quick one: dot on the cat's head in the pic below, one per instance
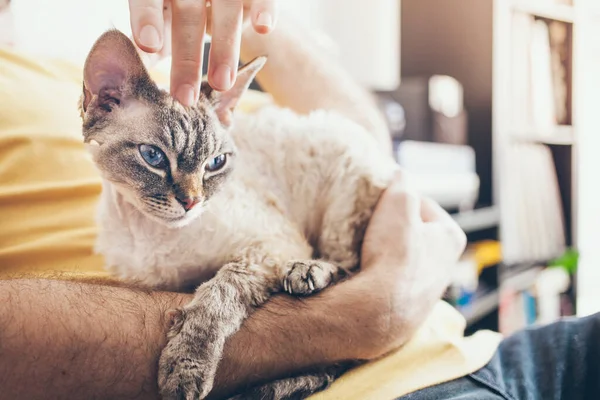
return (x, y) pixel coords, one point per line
(165, 159)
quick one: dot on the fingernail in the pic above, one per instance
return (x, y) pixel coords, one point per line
(264, 19)
(185, 95)
(223, 77)
(149, 37)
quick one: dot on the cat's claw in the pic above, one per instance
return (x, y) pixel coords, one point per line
(306, 277)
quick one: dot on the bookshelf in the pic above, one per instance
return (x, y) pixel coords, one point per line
(499, 123)
(513, 106)
(548, 121)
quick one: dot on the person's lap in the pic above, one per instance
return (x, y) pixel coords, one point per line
(557, 361)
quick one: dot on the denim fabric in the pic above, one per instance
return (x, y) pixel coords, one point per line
(556, 361)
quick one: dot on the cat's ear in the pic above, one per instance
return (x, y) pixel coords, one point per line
(113, 73)
(225, 102)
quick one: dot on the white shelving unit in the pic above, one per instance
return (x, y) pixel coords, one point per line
(575, 147)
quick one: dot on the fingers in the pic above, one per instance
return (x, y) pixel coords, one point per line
(189, 22)
(225, 46)
(433, 214)
(432, 211)
(147, 24)
(263, 15)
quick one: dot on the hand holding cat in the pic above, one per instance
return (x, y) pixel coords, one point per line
(151, 22)
(410, 247)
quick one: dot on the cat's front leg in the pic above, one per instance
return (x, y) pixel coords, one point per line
(304, 277)
(189, 362)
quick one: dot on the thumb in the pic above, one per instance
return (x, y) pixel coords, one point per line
(441, 225)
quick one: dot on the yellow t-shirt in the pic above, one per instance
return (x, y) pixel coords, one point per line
(48, 193)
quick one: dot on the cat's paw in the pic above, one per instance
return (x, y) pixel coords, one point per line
(185, 371)
(308, 276)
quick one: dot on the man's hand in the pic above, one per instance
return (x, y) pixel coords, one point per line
(410, 247)
(152, 21)
(405, 228)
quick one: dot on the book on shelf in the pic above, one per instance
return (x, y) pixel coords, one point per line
(559, 52)
(533, 225)
(535, 297)
(540, 65)
(541, 85)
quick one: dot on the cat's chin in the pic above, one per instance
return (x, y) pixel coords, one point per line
(180, 222)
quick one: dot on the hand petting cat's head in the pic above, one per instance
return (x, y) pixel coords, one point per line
(165, 159)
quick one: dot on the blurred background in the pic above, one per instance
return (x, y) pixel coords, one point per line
(491, 105)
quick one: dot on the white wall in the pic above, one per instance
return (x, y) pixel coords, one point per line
(66, 28)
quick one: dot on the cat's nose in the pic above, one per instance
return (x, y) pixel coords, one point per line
(188, 202)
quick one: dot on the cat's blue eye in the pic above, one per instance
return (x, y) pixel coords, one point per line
(216, 163)
(153, 156)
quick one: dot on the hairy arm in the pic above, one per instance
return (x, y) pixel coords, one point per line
(73, 340)
(301, 77)
(62, 339)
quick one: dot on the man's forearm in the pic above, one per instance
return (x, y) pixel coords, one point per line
(73, 340)
(299, 76)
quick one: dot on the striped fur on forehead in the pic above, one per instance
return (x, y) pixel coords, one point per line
(193, 134)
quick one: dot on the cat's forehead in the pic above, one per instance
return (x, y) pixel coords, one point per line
(189, 133)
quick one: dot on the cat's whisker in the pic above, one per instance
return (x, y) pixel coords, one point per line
(163, 209)
(154, 201)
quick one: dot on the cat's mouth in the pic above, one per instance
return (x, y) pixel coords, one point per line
(179, 220)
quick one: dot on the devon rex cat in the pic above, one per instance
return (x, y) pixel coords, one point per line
(243, 205)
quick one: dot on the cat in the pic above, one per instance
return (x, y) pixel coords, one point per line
(243, 205)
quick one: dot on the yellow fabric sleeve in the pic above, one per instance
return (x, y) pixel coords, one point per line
(48, 184)
(48, 193)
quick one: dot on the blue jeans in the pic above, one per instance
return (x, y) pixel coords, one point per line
(556, 361)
